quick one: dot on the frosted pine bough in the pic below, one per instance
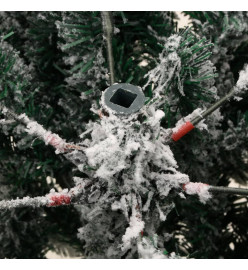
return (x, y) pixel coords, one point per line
(132, 173)
(129, 172)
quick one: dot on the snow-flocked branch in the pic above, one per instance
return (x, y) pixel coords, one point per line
(35, 129)
(197, 117)
(205, 191)
(239, 89)
(122, 158)
(51, 199)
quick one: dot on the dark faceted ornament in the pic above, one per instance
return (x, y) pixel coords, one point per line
(123, 98)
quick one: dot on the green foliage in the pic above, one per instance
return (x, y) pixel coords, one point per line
(53, 67)
(134, 43)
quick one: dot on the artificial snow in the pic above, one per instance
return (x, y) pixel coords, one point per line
(33, 128)
(242, 83)
(147, 250)
(201, 189)
(26, 201)
(168, 67)
(136, 225)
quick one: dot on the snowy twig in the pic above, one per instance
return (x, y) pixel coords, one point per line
(239, 89)
(50, 200)
(26, 201)
(36, 129)
(203, 190)
(197, 117)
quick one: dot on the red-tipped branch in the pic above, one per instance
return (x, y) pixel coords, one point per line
(188, 126)
(49, 200)
(183, 130)
(52, 199)
(36, 129)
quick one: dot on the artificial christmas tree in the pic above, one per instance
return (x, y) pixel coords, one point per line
(124, 172)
